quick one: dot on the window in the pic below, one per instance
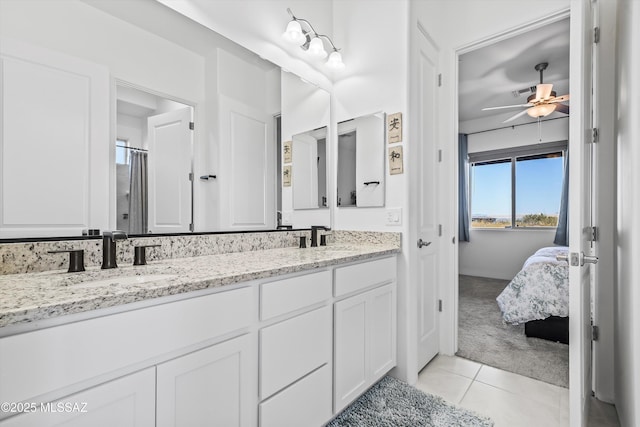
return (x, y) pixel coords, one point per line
(122, 152)
(517, 187)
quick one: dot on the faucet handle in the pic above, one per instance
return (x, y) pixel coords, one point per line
(76, 259)
(139, 254)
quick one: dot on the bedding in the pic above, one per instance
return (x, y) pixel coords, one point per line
(539, 290)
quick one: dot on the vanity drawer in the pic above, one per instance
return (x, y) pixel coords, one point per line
(305, 403)
(364, 275)
(291, 349)
(47, 360)
(287, 295)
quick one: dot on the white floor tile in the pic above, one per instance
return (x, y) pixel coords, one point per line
(602, 414)
(564, 407)
(455, 365)
(508, 409)
(449, 386)
(537, 391)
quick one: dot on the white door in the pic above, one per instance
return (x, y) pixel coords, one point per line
(428, 246)
(210, 387)
(54, 117)
(247, 166)
(580, 125)
(170, 192)
(305, 172)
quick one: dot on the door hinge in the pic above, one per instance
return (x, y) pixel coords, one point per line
(440, 305)
(439, 229)
(439, 156)
(439, 79)
(596, 35)
(593, 234)
(595, 135)
(191, 227)
(191, 176)
(595, 333)
(191, 125)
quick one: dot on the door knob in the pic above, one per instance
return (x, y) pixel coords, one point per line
(589, 259)
(421, 243)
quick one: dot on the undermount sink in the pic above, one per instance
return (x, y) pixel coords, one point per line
(126, 280)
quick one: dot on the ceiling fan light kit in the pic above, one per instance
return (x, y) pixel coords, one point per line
(540, 104)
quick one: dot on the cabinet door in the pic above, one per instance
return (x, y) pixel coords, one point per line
(365, 342)
(382, 351)
(350, 374)
(125, 402)
(208, 387)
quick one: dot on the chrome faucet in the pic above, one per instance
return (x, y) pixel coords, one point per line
(109, 247)
(314, 233)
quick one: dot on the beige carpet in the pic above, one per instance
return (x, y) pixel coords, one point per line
(485, 338)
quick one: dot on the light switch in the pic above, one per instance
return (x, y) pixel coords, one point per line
(394, 216)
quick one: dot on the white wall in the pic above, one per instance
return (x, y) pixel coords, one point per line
(500, 253)
(627, 320)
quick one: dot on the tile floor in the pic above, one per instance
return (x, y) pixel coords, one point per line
(509, 399)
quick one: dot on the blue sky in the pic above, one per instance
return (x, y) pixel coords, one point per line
(538, 187)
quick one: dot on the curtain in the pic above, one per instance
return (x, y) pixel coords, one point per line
(138, 210)
(562, 232)
(463, 189)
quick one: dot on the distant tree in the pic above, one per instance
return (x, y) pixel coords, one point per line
(538, 220)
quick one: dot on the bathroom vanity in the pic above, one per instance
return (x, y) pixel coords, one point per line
(276, 337)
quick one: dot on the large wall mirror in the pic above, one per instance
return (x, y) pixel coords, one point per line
(83, 81)
(361, 176)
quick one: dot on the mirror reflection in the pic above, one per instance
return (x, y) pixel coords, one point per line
(361, 168)
(309, 176)
(153, 160)
(71, 67)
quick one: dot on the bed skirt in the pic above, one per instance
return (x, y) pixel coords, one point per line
(552, 328)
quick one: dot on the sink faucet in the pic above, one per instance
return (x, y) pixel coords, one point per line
(109, 247)
(314, 233)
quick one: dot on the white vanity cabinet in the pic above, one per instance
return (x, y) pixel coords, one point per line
(295, 353)
(182, 338)
(365, 327)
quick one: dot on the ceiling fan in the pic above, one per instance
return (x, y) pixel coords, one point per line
(540, 104)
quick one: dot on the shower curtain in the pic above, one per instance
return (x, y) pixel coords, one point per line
(138, 197)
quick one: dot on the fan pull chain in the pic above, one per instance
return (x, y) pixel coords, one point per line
(539, 130)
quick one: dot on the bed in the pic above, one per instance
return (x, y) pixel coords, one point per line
(538, 296)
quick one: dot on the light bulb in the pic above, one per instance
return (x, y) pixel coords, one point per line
(541, 110)
(335, 61)
(293, 33)
(316, 48)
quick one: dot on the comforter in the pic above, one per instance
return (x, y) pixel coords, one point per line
(539, 290)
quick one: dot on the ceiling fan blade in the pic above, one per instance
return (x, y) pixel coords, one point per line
(543, 91)
(521, 113)
(561, 108)
(560, 98)
(506, 106)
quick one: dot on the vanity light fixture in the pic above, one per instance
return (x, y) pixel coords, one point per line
(310, 41)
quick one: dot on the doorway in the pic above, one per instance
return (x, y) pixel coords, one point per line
(153, 163)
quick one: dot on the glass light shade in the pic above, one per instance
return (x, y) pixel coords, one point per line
(335, 61)
(316, 48)
(293, 33)
(541, 110)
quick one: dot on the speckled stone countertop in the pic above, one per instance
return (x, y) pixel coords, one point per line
(31, 297)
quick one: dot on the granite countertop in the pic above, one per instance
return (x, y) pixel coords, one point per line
(31, 297)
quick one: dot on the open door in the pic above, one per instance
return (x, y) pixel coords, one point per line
(580, 191)
(170, 186)
(428, 231)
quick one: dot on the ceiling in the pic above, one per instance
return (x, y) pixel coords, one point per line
(489, 75)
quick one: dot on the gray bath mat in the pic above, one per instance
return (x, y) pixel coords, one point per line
(393, 403)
